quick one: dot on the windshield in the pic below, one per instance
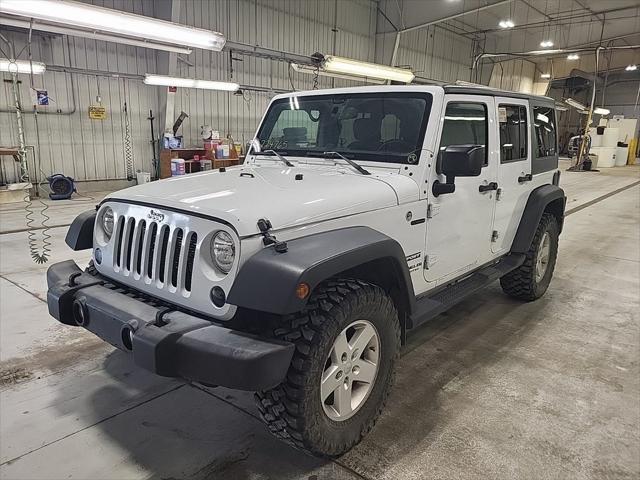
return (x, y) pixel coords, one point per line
(382, 127)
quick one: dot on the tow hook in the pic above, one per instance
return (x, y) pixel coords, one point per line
(265, 225)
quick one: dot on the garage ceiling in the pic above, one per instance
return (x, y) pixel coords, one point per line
(568, 23)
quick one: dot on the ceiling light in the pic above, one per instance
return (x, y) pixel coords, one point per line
(575, 104)
(601, 111)
(21, 66)
(106, 37)
(546, 44)
(90, 17)
(312, 71)
(363, 69)
(631, 68)
(506, 24)
(165, 81)
(545, 75)
(573, 56)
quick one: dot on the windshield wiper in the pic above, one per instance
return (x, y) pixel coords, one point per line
(348, 160)
(269, 152)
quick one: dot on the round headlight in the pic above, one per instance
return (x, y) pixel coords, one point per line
(107, 222)
(223, 251)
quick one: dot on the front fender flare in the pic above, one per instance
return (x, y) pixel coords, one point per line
(80, 233)
(267, 281)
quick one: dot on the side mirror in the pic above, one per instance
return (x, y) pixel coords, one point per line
(458, 161)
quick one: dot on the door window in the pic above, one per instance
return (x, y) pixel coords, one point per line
(545, 122)
(513, 132)
(465, 123)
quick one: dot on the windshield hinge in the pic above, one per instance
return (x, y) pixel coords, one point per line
(432, 210)
(264, 226)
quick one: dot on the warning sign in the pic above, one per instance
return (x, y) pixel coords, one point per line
(97, 112)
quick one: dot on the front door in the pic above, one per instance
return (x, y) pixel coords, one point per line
(459, 224)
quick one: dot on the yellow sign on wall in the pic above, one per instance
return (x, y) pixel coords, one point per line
(97, 112)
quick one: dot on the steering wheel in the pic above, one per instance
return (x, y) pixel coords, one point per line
(402, 145)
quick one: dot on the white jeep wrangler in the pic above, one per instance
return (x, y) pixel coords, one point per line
(360, 214)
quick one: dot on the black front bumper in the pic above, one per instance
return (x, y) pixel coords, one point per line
(168, 343)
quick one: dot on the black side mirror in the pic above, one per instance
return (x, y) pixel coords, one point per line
(458, 161)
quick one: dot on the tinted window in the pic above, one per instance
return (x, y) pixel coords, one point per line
(513, 132)
(385, 127)
(465, 124)
(544, 121)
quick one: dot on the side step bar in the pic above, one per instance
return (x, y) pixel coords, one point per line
(433, 304)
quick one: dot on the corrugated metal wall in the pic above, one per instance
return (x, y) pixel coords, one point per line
(69, 141)
(94, 149)
(436, 54)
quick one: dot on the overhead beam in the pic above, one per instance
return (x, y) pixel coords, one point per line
(456, 15)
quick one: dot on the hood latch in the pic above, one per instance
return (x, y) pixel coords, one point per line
(265, 225)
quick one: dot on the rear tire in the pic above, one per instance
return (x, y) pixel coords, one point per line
(531, 280)
(338, 310)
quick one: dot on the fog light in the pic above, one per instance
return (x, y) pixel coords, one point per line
(98, 256)
(218, 297)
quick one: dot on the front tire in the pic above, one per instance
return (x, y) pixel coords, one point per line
(347, 341)
(531, 280)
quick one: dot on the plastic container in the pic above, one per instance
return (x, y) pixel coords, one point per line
(606, 156)
(177, 167)
(205, 164)
(596, 140)
(622, 153)
(143, 177)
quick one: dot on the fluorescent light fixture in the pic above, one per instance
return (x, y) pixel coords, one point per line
(631, 68)
(546, 43)
(601, 111)
(165, 81)
(80, 15)
(349, 66)
(308, 69)
(573, 56)
(105, 37)
(545, 75)
(21, 66)
(575, 104)
(506, 24)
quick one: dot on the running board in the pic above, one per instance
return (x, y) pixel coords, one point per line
(432, 305)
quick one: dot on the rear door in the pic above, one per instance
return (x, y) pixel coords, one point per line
(460, 223)
(514, 169)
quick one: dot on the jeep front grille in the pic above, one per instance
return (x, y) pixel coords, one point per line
(154, 252)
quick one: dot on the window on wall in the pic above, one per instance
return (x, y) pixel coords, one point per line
(544, 121)
(465, 123)
(513, 132)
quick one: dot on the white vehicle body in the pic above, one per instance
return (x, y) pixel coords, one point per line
(297, 274)
(443, 237)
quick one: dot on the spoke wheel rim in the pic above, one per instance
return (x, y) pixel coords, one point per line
(542, 259)
(350, 370)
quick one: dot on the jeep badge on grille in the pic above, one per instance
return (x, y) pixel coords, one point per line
(155, 215)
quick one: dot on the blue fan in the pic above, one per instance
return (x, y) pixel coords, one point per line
(61, 186)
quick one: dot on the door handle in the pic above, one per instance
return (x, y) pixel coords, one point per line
(525, 178)
(488, 187)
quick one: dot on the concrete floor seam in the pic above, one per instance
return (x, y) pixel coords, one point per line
(132, 407)
(601, 198)
(22, 288)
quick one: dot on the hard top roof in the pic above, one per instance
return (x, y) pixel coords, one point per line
(495, 92)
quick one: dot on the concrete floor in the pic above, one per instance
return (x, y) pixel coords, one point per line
(492, 389)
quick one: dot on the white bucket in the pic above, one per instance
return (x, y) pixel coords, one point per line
(621, 156)
(606, 156)
(143, 177)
